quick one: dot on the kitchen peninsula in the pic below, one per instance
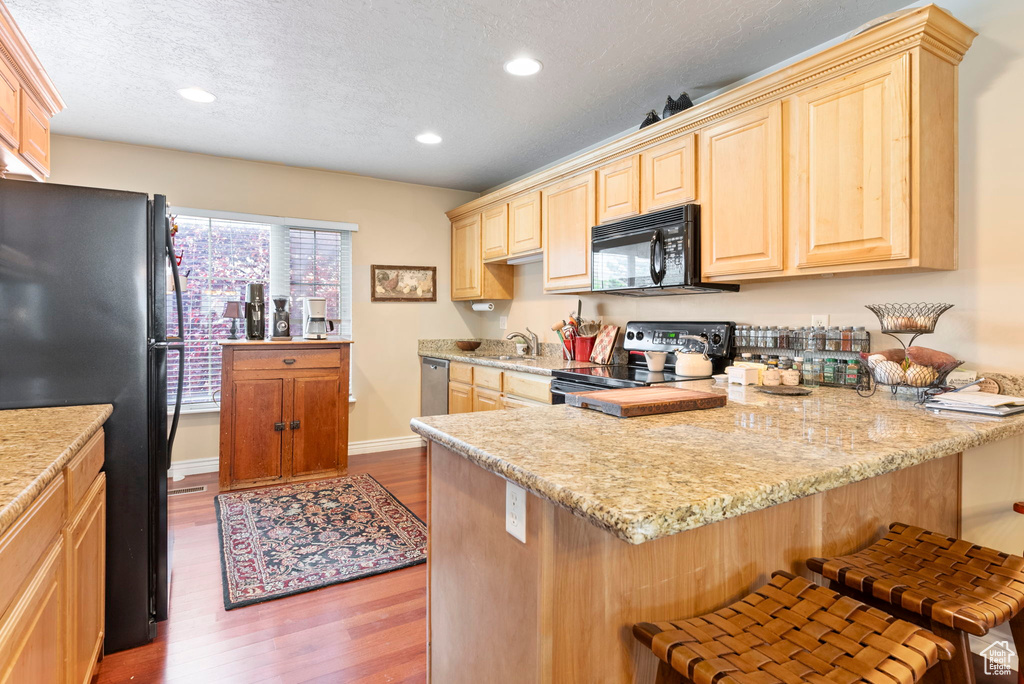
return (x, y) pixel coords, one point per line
(661, 517)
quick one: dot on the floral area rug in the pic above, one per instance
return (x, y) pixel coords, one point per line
(287, 539)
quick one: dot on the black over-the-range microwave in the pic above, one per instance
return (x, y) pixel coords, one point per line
(655, 254)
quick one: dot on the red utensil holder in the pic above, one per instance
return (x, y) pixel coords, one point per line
(583, 347)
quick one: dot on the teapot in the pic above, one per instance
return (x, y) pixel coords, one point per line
(693, 364)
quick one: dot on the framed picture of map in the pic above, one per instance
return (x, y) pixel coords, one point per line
(403, 283)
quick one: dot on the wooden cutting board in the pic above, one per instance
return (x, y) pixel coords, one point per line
(645, 401)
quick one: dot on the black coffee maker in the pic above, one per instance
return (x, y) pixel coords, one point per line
(255, 312)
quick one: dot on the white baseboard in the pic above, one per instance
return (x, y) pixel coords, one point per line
(371, 446)
(197, 466)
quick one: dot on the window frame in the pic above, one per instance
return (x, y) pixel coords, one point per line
(280, 223)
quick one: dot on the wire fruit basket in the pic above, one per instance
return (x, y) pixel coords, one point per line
(905, 319)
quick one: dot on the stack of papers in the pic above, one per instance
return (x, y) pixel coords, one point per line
(977, 402)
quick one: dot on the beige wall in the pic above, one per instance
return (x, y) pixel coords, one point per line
(986, 326)
(399, 223)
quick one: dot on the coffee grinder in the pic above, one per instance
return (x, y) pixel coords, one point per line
(282, 320)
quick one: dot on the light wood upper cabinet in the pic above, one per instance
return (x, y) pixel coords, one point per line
(569, 209)
(9, 105)
(851, 184)
(495, 232)
(524, 224)
(28, 100)
(618, 189)
(467, 258)
(471, 277)
(668, 174)
(742, 193)
(35, 134)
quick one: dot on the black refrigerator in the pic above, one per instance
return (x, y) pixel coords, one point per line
(84, 320)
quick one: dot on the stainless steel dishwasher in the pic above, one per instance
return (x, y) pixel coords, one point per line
(433, 387)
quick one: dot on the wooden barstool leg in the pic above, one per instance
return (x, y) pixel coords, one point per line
(666, 675)
(1017, 629)
(959, 670)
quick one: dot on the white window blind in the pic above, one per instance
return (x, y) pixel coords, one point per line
(221, 256)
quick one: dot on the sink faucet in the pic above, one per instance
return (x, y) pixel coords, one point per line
(534, 343)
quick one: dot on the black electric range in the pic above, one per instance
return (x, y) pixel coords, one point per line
(641, 336)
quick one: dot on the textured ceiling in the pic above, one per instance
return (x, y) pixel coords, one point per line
(346, 85)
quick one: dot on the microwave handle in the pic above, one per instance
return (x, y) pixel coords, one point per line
(657, 257)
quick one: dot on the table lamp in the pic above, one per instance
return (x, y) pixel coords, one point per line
(233, 310)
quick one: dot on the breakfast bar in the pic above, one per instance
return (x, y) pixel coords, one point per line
(661, 517)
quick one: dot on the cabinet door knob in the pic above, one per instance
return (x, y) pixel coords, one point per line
(295, 425)
(289, 361)
(278, 427)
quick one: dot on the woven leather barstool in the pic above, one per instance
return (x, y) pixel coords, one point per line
(792, 630)
(954, 587)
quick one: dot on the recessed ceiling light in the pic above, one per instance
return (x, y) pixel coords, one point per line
(522, 66)
(197, 95)
(428, 138)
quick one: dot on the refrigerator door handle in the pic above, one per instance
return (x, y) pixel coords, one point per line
(179, 347)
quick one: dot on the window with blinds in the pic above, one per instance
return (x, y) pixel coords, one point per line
(220, 257)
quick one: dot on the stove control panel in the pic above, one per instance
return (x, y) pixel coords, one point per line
(666, 336)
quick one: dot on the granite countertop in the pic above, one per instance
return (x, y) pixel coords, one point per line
(35, 445)
(549, 360)
(646, 478)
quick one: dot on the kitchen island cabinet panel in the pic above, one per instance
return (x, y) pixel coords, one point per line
(562, 604)
(32, 632)
(85, 541)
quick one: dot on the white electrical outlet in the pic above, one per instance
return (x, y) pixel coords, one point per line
(819, 320)
(515, 511)
(502, 322)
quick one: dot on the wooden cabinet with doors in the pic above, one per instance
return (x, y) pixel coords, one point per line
(284, 411)
(28, 100)
(741, 219)
(524, 225)
(569, 210)
(668, 174)
(618, 189)
(471, 277)
(473, 387)
(851, 180)
(495, 232)
(53, 564)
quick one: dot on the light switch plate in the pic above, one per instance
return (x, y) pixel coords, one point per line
(515, 511)
(502, 322)
(819, 320)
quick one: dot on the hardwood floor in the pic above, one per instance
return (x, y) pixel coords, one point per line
(367, 630)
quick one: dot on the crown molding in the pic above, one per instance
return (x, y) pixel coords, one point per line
(929, 27)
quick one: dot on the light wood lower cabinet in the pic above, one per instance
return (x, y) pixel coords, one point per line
(53, 564)
(486, 400)
(85, 542)
(281, 418)
(460, 398)
(485, 388)
(569, 211)
(741, 220)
